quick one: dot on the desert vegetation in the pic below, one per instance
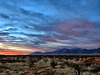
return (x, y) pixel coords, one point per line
(49, 65)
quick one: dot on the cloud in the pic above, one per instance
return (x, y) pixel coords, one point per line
(3, 33)
(49, 24)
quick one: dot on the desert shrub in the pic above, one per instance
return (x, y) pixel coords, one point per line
(35, 73)
(63, 65)
(53, 63)
(51, 72)
(45, 60)
(95, 70)
(76, 66)
(31, 62)
(4, 67)
(77, 59)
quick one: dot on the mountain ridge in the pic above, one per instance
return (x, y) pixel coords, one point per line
(65, 51)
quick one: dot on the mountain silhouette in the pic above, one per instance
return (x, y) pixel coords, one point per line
(74, 51)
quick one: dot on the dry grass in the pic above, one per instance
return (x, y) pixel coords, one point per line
(42, 65)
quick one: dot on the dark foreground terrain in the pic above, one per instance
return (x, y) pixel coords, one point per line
(50, 65)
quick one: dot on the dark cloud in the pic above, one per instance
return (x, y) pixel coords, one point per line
(4, 16)
(4, 33)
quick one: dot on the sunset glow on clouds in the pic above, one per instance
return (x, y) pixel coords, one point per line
(13, 50)
(27, 26)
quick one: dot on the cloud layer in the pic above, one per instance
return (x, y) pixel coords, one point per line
(47, 25)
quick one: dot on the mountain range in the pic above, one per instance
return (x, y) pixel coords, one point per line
(74, 51)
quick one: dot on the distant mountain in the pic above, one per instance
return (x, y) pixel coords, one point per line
(36, 53)
(74, 51)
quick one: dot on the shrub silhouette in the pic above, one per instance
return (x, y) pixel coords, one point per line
(53, 63)
(76, 66)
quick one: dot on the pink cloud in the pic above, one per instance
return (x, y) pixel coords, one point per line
(74, 24)
(74, 28)
(50, 39)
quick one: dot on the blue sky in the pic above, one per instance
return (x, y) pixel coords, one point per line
(46, 25)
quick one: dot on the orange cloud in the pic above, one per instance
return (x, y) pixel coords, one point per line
(17, 50)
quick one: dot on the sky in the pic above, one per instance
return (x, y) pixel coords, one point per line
(28, 26)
